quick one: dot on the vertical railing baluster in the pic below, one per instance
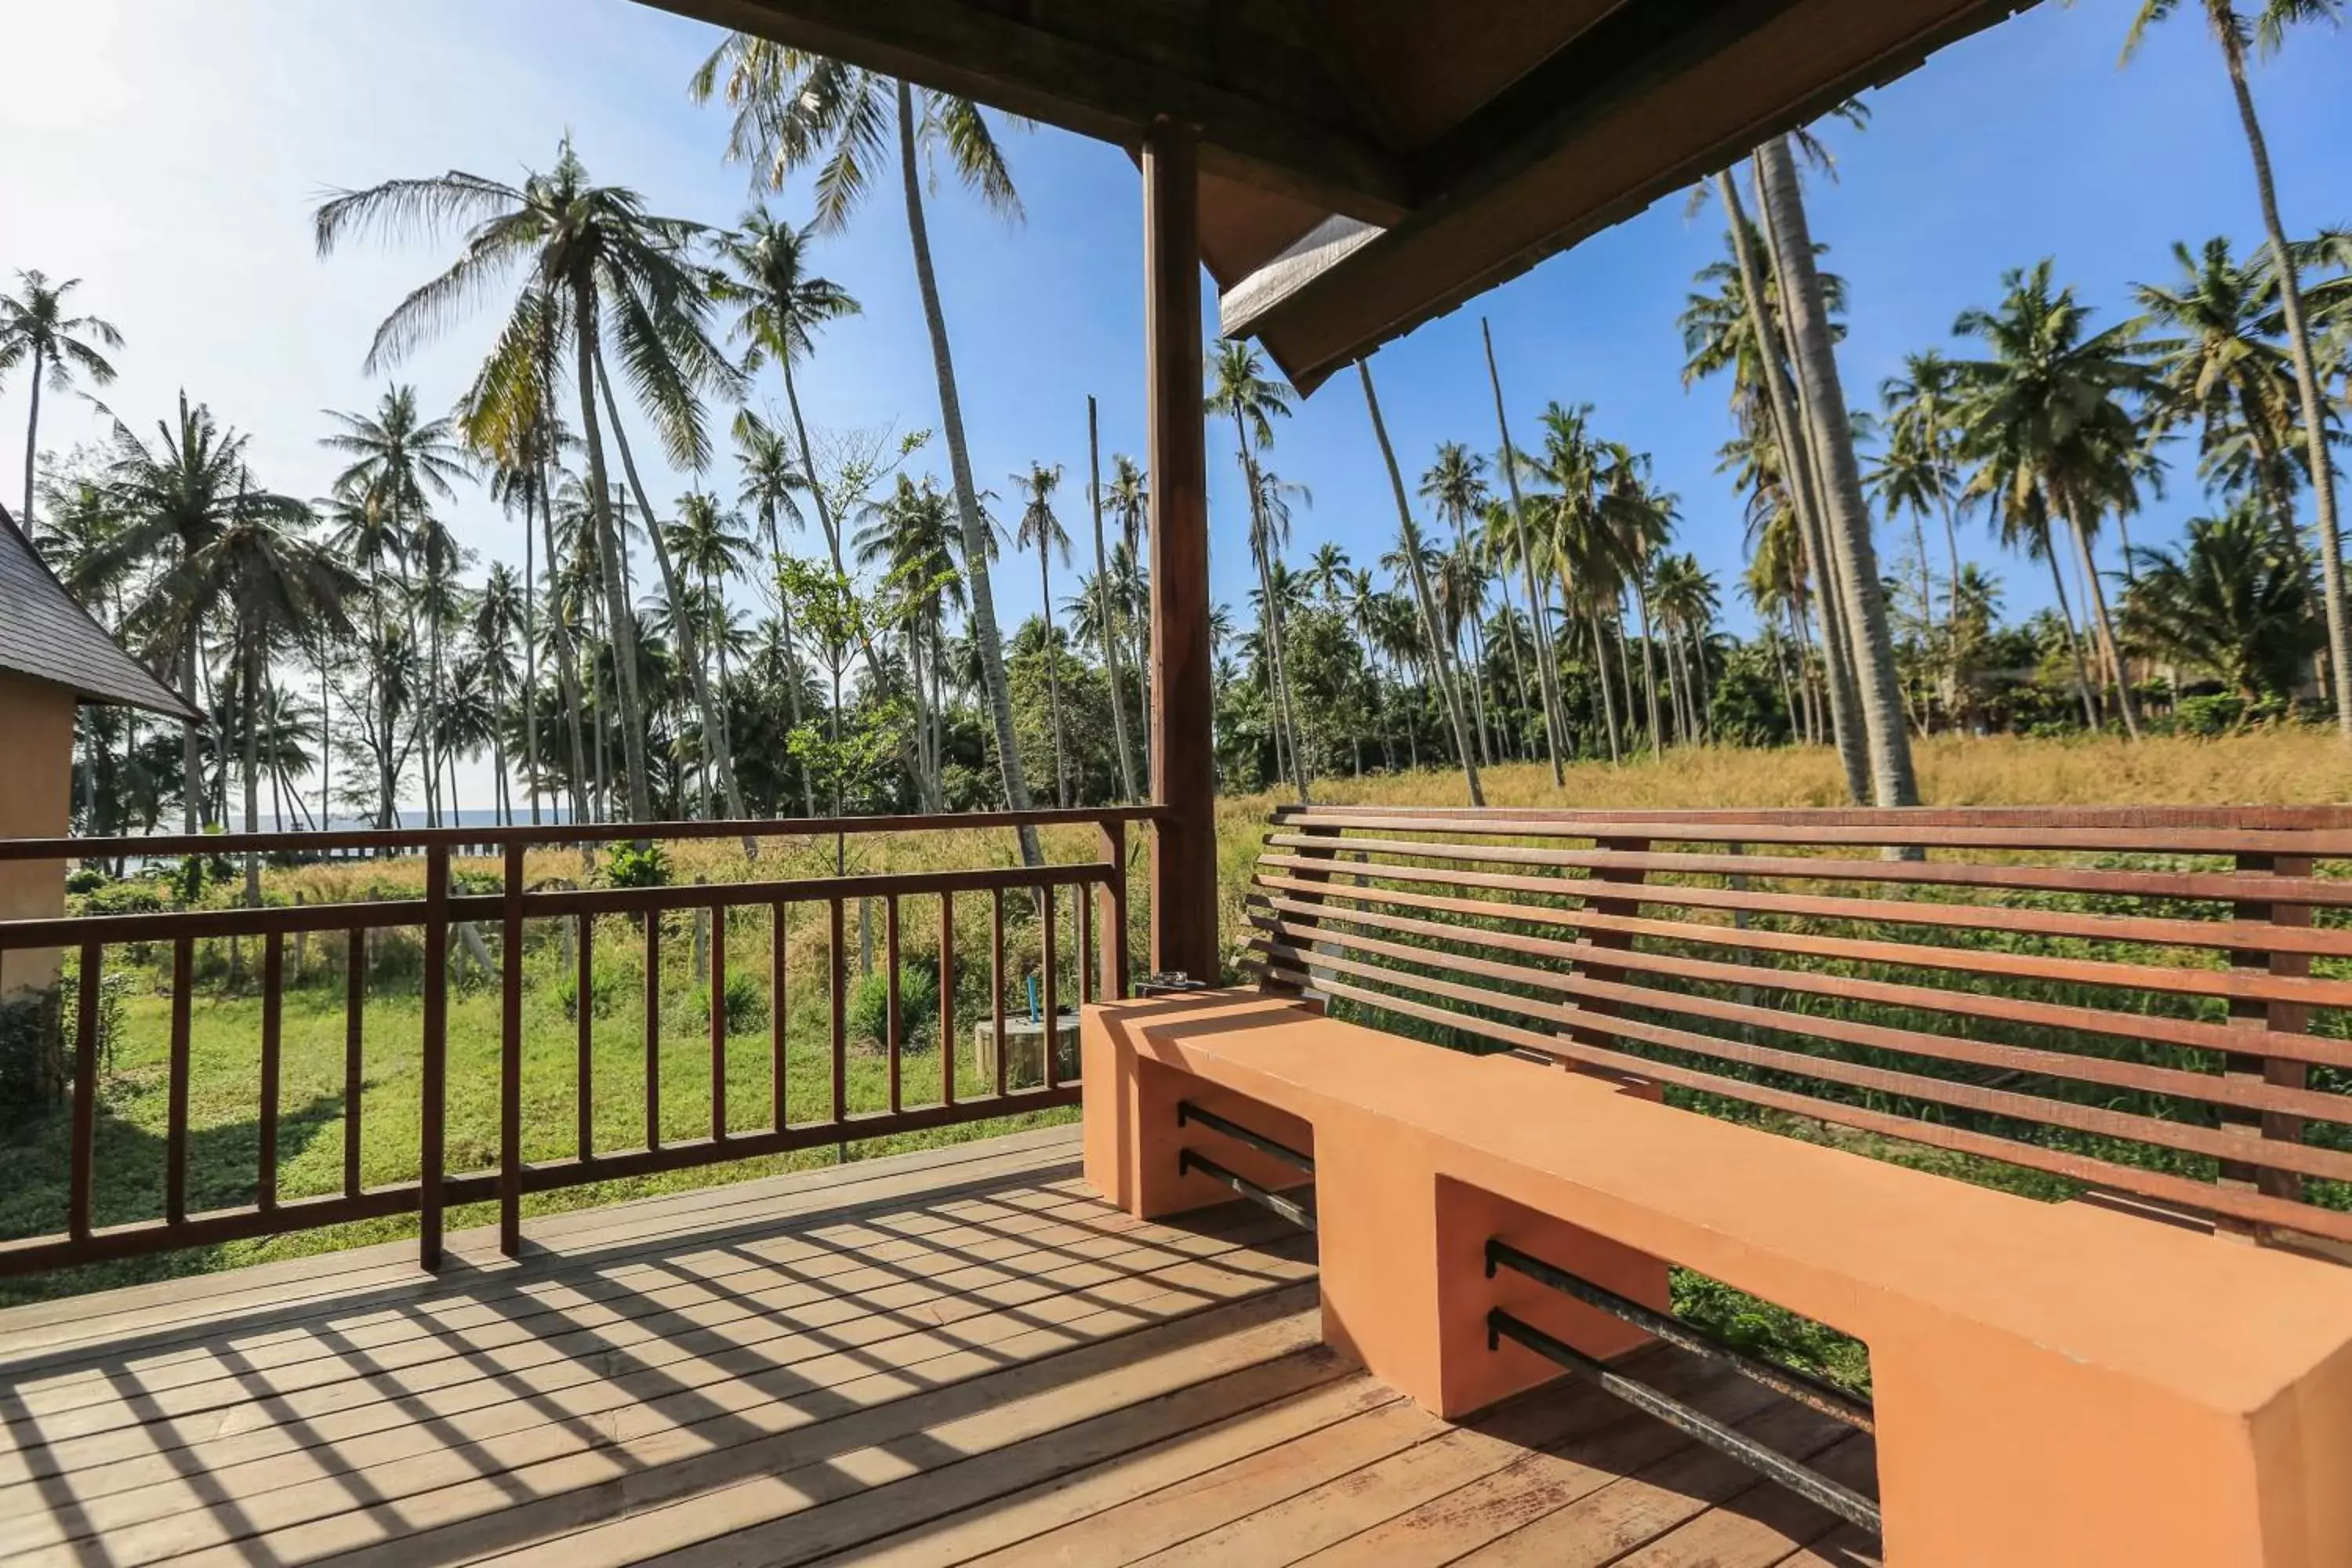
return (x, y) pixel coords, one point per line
(1082, 917)
(892, 1026)
(779, 1108)
(719, 1023)
(1050, 1039)
(175, 1094)
(1111, 897)
(946, 998)
(354, 1048)
(652, 1028)
(82, 1177)
(996, 978)
(511, 1058)
(837, 961)
(273, 1035)
(433, 1139)
(584, 1020)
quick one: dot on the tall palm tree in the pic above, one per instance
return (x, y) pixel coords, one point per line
(1106, 610)
(1240, 390)
(257, 573)
(604, 274)
(1846, 519)
(1765, 308)
(175, 498)
(2049, 423)
(793, 109)
(2265, 27)
(783, 306)
(1411, 551)
(1922, 420)
(1041, 530)
(1128, 496)
(711, 548)
(1455, 485)
(34, 327)
(1521, 549)
(496, 625)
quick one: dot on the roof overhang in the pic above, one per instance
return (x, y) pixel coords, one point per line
(1369, 164)
(47, 635)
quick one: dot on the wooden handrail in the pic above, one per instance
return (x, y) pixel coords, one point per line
(491, 839)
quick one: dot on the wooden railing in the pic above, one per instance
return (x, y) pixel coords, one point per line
(1095, 892)
(2151, 1004)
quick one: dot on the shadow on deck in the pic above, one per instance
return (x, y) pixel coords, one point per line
(930, 1359)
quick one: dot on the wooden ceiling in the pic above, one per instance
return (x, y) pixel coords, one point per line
(1369, 164)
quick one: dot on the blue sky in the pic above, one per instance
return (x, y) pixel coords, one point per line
(169, 152)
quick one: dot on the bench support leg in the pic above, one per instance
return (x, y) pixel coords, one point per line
(1133, 1143)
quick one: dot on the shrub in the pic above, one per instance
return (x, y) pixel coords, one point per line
(918, 1006)
(139, 898)
(747, 1004)
(636, 866)
(32, 1055)
(604, 995)
(2217, 714)
(85, 880)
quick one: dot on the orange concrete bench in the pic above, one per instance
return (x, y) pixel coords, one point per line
(2054, 1383)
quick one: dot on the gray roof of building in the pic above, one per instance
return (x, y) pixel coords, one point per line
(46, 634)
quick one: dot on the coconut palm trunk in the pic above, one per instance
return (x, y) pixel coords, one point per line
(1649, 667)
(620, 629)
(1053, 672)
(1547, 663)
(967, 496)
(1417, 570)
(2306, 373)
(252, 705)
(2103, 623)
(1601, 678)
(529, 666)
(689, 650)
(1847, 523)
(567, 675)
(1103, 615)
(32, 442)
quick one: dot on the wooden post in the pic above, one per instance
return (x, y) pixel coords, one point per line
(511, 1058)
(2257, 1018)
(1110, 907)
(432, 1135)
(1183, 765)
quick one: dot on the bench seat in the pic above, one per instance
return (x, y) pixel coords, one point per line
(2053, 1382)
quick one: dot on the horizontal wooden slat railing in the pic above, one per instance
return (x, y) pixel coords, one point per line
(2148, 1005)
(1095, 892)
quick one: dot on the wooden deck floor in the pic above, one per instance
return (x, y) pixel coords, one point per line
(945, 1358)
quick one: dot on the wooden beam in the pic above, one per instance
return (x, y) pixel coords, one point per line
(1287, 130)
(1645, 102)
(1183, 759)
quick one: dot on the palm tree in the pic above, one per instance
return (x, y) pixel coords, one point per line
(1129, 496)
(34, 327)
(1923, 423)
(793, 109)
(1041, 530)
(175, 498)
(1240, 390)
(496, 623)
(1846, 521)
(1455, 487)
(603, 272)
(711, 547)
(2047, 422)
(2266, 29)
(1765, 308)
(1520, 547)
(1686, 601)
(1411, 550)
(784, 305)
(2235, 599)
(1107, 632)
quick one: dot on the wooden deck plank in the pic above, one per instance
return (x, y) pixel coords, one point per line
(1763, 1525)
(157, 1314)
(1059, 1409)
(1541, 1482)
(1639, 1508)
(779, 1391)
(1848, 1548)
(974, 1231)
(1037, 1516)
(1451, 1457)
(92, 1460)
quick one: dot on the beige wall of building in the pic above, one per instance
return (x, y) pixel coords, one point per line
(36, 741)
